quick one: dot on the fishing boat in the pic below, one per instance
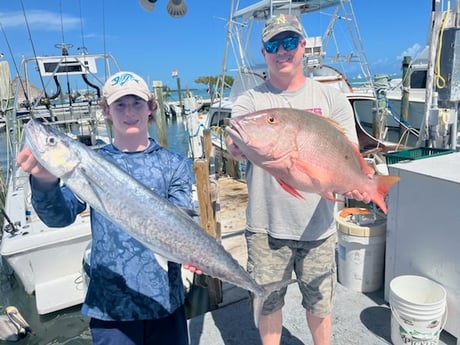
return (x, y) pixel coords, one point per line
(423, 103)
(414, 84)
(48, 261)
(404, 99)
(390, 114)
(333, 22)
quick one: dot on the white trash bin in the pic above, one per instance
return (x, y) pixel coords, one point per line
(361, 249)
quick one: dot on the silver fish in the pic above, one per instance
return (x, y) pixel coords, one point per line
(155, 222)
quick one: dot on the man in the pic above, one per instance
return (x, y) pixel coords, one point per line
(287, 234)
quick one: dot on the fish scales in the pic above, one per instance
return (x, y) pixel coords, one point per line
(155, 222)
(306, 152)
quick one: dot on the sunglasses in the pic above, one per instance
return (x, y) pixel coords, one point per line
(289, 43)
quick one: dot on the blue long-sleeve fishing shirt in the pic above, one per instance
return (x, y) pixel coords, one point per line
(125, 277)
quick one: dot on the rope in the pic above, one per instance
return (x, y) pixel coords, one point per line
(440, 80)
(197, 131)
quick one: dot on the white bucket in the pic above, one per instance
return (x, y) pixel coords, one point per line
(418, 310)
(361, 253)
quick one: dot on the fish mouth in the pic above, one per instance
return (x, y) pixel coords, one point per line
(40, 135)
(241, 139)
(33, 132)
(236, 132)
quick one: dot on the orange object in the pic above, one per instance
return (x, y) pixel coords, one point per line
(353, 210)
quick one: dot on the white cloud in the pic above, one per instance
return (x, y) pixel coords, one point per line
(39, 20)
(411, 51)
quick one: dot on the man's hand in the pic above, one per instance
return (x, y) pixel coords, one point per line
(192, 269)
(357, 195)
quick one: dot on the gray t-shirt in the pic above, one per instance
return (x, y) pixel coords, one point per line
(270, 208)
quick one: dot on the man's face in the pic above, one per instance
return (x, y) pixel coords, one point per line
(287, 51)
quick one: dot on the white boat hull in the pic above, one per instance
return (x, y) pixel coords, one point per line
(416, 112)
(47, 261)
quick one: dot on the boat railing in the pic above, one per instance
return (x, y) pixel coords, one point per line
(61, 108)
(246, 24)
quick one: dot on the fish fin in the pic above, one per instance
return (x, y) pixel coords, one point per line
(384, 183)
(95, 186)
(268, 289)
(288, 188)
(93, 182)
(309, 169)
(335, 124)
(162, 262)
(190, 211)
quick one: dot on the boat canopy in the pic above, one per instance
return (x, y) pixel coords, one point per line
(266, 8)
(65, 65)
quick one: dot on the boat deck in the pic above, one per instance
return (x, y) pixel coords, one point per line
(358, 318)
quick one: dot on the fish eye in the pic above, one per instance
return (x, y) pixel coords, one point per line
(271, 119)
(51, 140)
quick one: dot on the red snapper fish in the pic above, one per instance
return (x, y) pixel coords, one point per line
(307, 152)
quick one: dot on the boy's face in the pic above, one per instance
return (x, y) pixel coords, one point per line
(129, 115)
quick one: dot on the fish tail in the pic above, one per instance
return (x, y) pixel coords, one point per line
(384, 183)
(259, 300)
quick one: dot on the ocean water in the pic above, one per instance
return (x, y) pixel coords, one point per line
(198, 93)
(66, 326)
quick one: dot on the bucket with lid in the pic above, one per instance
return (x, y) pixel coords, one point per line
(361, 249)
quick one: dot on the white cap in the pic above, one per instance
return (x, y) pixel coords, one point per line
(125, 83)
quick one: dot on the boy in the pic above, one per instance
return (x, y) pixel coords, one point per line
(124, 274)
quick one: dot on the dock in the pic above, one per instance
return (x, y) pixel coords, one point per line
(233, 199)
(358, 318)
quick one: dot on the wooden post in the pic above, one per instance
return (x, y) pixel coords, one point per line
(160, 117)
(179, 91)
(406, 76)
(207, 143)
(207, 196)
(207, 213)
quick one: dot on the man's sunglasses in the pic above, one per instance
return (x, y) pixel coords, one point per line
(289, 43)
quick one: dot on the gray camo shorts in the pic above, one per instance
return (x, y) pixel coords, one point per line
(273, 260)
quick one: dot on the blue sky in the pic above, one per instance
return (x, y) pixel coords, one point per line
(154, 43)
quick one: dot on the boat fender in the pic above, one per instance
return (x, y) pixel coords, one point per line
(13, 327)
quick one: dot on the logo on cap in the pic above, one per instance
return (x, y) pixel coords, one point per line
(281, 23)
(125, 83)
(122, 79)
